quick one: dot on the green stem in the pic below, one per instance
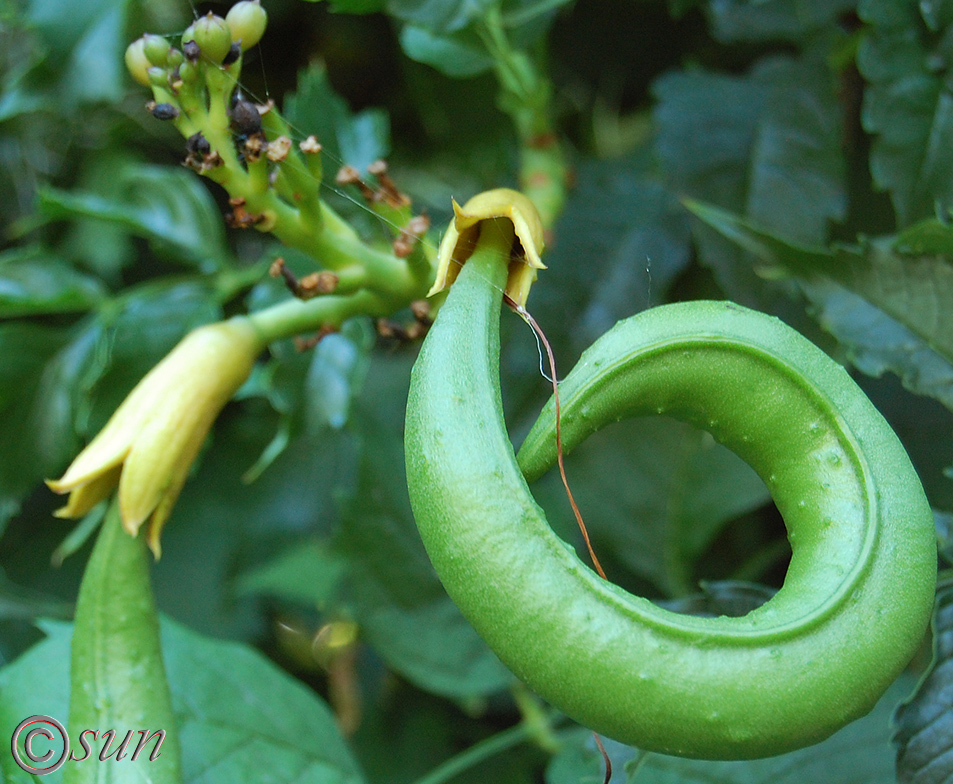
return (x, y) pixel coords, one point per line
(525, 95)
(486, 748)
(295, 316)
(117, 676)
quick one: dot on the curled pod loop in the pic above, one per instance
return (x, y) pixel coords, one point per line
(858, 593)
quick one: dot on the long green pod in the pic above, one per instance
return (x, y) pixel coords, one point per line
(117, 675)
(859, 591)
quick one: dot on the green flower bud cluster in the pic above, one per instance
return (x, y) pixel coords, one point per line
(274, 183)
(193, 83)
(210, 38)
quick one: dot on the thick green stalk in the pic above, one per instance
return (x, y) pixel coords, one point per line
(118, 679)
(526, 96)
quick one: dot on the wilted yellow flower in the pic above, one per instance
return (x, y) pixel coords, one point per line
(458, 243)
(149, 444)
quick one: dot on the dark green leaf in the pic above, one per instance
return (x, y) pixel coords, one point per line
(929, 237)
(315, 108)
(364, 138)
(925, 722)
(223, 526)
(622, 241)
(877, 343)
(335, 375)
(797, 168)
(19, 602)
(900, 310)
(767, 144)
(723, 597)
(79, 59)
(944, 532)
(239, 716)
(41, 385)
(358, 6)
(680, 488)
(458, 55)
(908, 107)
(308, 573)
(36, 683)
(786, 20)
(169, 207)
(439, 16)
(35, 283)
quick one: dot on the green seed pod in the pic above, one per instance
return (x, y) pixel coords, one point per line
(156, 49)
(117, 673)
(213, 37)
(247, 21)
(175, 58)
(859, 590)
(137, 63)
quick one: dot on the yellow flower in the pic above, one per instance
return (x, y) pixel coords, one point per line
(458, 243)
(149, 444)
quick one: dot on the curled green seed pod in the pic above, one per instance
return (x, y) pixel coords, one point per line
(213, 37)
(858, 593)
(247, 21)
(137, 63)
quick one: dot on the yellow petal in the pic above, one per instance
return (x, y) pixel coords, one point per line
(199, 377)
(86, 496)
(458, 243)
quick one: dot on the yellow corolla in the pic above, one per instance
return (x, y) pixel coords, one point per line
(458, 243)
(149, 444)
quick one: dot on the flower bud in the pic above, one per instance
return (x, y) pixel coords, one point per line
(213, 37)
(247, 21)
(137, 63)
(189, 34)
(156, 49)
(188, 72)
(151, 441)
(157, 76)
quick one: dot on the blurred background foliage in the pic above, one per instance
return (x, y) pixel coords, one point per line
(792, 155)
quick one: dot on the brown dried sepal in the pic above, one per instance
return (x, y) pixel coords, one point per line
(386, 191)
(239, 217)
(421, 310)
(254, 146)
(405, 333)
(310, 146)
(302, 343)
(410, 235)
(309, 286)
(348, 175)
(278, 149)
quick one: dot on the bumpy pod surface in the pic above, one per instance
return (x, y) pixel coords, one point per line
(858, 593)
